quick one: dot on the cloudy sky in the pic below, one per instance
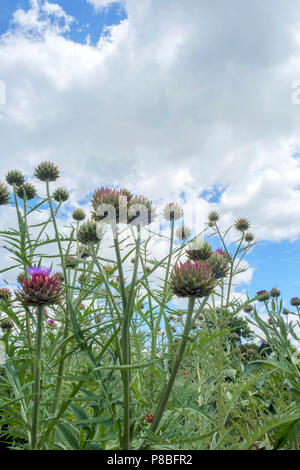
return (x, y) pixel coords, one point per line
(175, 99)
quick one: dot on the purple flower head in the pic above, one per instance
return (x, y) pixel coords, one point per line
(192, 279)
(40, 289)
(263, 295)
(38, 271)
(295, 301)
(219, 262)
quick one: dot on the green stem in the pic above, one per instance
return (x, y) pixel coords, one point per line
(176, 363)
(67, 322)
(102, 272)
(27, 317)
(231, 271)
(32, 249)
(165, 291)
(37, 378)
(126, 346)
(143, 264)
(56, 230)
(120, 268)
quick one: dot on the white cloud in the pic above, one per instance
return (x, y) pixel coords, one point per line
(42, 16)
(179, 97)
(98, 4)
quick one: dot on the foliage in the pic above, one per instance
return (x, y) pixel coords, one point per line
(119, 365)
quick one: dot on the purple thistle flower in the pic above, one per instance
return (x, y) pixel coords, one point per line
(38, 271)
(120, 200)
(40, 289)
(295, 301)
(192, 279)
(140, 210)
(263, 295)
(110, 197)
(219, 262)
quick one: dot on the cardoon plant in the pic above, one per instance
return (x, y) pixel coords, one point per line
(4, 195)
(111, 203)
(5, 294)
(38, 290)
(126, 366)
(15, 178)
(61, 195)
(199, 250)
(26, 190)
(192, 280)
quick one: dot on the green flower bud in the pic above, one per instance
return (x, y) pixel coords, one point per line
(4, 195)
(78, 215)
(61, 195)
(46, 171)
(26, 190)
(242, 224)
(15, 178)
(90, 232)
(199, 250)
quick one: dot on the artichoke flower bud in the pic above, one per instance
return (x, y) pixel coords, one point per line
(5, 295)
(15, 178)
(242, 224)
(213, 217)
(192, 279)
(220, 264)
(183, 232)
(263, 295)
(6, 325)
(274, 292)
(46, 171)
(248, 308)
(4, 195)
(61, 195)
(71, 261)
(172, 211)
(295, 301)
(199, 250)
(90, 232)
(27, 190)
(249, 237)
(78, 215)
(40, 288)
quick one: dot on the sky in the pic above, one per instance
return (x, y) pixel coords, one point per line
(194, 101)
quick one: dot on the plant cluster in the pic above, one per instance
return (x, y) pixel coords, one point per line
(99, 356)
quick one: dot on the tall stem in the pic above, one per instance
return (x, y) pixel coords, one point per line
(175, 366)
(120, 268)
(126, 345)
(231, 271)
(165, 291)
(27, 317)
(37, 378)
(59, 382)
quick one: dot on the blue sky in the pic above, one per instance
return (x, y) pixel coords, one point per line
(174, 102)
(87, 21)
